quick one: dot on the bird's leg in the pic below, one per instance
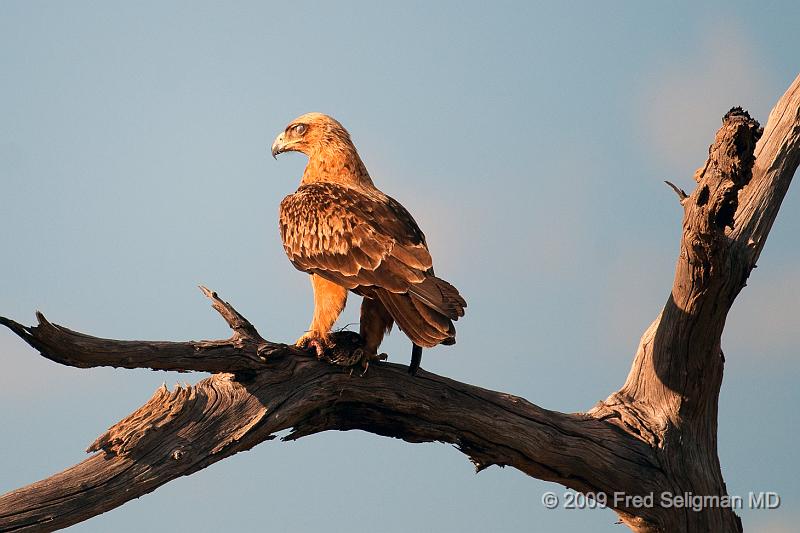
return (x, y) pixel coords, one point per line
(374, 324)
(329, 301)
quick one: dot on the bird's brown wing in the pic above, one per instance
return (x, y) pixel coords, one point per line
(370, 244)
(352, 238)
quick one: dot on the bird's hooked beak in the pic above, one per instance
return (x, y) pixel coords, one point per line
(279, 146)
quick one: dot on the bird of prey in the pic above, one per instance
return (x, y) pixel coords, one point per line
(348, 235)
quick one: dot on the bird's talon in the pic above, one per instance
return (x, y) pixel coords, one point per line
(318, 343)
(367, 358)
(318, 347)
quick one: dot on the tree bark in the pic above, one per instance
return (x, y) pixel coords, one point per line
(658, 433)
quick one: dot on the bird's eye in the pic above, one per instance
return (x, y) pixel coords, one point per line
(299, 129)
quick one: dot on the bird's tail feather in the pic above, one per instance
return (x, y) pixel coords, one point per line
(426, 313)
(439, 295)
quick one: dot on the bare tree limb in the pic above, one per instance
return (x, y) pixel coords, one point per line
(177, 433)
(682, 196)
(777, 156)
(672, 391)
(245, 350)
(656, 434)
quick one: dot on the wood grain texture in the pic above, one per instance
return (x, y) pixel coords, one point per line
(181, 431)
(657, 433)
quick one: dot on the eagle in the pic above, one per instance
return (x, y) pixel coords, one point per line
(349, 236)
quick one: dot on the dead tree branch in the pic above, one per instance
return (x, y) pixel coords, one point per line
(657, 433)
(179, 432)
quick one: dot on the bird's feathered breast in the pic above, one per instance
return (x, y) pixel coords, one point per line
(352, 237)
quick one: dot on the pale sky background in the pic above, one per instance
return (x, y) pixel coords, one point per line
(529, 141)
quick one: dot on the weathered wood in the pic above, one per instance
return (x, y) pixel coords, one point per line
(657, 433)
(245, 350)
(671, 395)
(181, 431)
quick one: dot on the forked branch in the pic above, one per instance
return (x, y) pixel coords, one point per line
(181, 431)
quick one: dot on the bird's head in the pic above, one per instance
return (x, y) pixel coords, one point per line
(311, 133)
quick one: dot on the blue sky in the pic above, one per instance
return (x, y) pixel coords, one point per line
(530, 142)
